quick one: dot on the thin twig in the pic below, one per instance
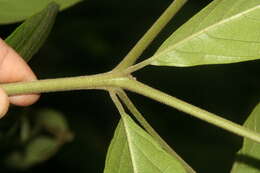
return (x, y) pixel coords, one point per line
(150, 35)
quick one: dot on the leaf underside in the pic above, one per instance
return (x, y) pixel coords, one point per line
(17, 10)
(31, 34)
(248, 157)
(226, 31)
(132, 150)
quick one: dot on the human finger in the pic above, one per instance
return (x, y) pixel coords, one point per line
(14, 69)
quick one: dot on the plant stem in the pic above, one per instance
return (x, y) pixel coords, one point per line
(123, 96)
(150, 35)
(140, 65)
(100, 81)
(117, 102)
(197, 112)
(108, 80)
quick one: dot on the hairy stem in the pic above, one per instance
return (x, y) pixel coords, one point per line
(123, 96)
(150, 35)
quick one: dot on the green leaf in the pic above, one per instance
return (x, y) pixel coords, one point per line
(248, 157)
(226, 31)
(29, 36)
(55, 123)
(41, 149)
(52, 119)
(37, 151)
(18, 10)
(132, 150)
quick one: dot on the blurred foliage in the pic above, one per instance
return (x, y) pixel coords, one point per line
(33, 137)
(93, 37)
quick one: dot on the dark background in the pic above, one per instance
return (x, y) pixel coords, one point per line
(92, 37)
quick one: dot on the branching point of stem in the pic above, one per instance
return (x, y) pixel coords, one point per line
(197, 112)
(114, 79)
(150, 35)
(139, 117)
(119, 78)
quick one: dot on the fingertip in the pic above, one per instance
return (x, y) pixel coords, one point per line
(14, 69)
(12, 66)
(4, 103)
(24, 100)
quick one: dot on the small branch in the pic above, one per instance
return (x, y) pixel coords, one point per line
(117, 102)
(197, 112)
(123, 96)
(150, 35)
(140, 65)
(100, 81)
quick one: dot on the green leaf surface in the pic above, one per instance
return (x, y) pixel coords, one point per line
(52, 119)
(248, 157)
(18, 10)
(37, 151)
(55, 123)
(132, 150)
(41, 149)
(30, 35)
(226, 31)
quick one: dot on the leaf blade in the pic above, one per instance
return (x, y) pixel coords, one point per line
(37, 151)
(31, 34)
(17, 10)
(249, 154)
(226, 31)
(132, 150)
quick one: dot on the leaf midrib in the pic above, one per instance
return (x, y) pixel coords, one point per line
(128, 136)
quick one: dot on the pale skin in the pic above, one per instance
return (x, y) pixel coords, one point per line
(14, 69)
